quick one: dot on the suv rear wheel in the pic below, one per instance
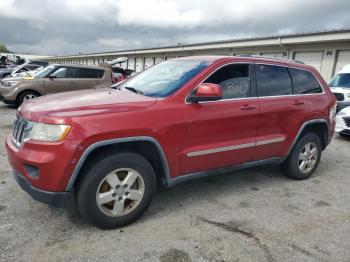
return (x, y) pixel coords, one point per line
(304, 158)
(116, 190)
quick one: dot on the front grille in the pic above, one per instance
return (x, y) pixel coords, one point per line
(339, 96)
(19, 129)
(347, 121)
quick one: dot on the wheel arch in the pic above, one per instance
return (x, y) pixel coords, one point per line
(318, 126)
(147, 146)
(26, 90)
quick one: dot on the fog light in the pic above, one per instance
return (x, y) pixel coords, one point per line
(32, 171)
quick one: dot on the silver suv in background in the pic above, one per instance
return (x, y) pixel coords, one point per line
(54, 79)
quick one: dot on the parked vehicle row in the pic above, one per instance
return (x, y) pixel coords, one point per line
(181, 119)
(57, 78)
(26, 67)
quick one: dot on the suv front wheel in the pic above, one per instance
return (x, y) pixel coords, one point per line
(304, 158)
(116, 190)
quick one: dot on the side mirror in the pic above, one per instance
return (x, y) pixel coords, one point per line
(206, 92)
(52, 76)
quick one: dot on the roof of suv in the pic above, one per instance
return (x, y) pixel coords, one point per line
(248, 58)
(82, 66)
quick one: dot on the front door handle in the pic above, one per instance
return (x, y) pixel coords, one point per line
(298, 103)
(247, 107)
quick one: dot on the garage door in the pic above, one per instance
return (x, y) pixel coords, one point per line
(343, 59)
(157, 60)
(276, 55)
(139, 64)
(310, 58)
(131, 63)
(148, 62)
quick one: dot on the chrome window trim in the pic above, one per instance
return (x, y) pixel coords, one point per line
(234, 147)
(303, 69)
(228, 99)
(257, 63)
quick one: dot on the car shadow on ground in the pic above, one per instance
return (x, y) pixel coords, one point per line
(170, 200)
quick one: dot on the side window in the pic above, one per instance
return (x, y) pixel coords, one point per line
(23, 69)
(66, 72)
(273, 80)
(304, 82)
(233, 79)
(90, 73)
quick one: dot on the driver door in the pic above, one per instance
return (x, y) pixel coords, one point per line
(61, 80)
(222, 133)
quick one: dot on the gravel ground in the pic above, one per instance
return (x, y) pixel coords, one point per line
(251, 215)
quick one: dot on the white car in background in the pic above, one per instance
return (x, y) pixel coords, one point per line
(342, 126)
(29, 73)
(340, 86)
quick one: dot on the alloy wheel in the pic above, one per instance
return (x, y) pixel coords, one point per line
(120, 192)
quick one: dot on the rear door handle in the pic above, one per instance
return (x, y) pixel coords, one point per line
(298, 103)
(247, 107)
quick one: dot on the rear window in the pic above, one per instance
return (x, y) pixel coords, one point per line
(304, 82)
(90, 73)
(273, 81)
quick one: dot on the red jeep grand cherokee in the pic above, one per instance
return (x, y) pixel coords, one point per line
(181, 119)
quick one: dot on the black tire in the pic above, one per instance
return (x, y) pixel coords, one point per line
(22, 96)
(291, 165)
(97, 172)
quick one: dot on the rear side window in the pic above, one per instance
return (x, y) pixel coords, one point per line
(66, 72)
(233, 79)
(273, 80)
(90, 73)
(304, 82)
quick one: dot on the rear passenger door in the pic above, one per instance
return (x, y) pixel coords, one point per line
(286, 96)
(278, 112)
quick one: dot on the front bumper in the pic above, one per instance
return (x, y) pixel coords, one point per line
(54, 199)
(9, 102)
(341, 126)
(45, 166)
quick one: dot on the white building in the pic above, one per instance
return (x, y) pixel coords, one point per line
(328, 51)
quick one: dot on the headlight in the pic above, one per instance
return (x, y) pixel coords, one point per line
(47, 132)
(10, 83)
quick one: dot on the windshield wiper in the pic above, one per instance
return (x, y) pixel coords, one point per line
(132, 89)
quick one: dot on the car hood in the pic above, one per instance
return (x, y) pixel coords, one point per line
(344, 90)
(86, 102)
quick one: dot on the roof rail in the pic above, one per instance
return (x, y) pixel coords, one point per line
(272, 58)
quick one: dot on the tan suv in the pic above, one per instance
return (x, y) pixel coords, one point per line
(54, 79)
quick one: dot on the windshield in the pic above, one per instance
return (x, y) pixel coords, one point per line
(165, 78)
(340, 80)
(44, 72)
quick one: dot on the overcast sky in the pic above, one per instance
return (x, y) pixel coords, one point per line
(61, 27)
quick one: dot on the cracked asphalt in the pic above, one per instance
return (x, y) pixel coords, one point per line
(251, 215)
